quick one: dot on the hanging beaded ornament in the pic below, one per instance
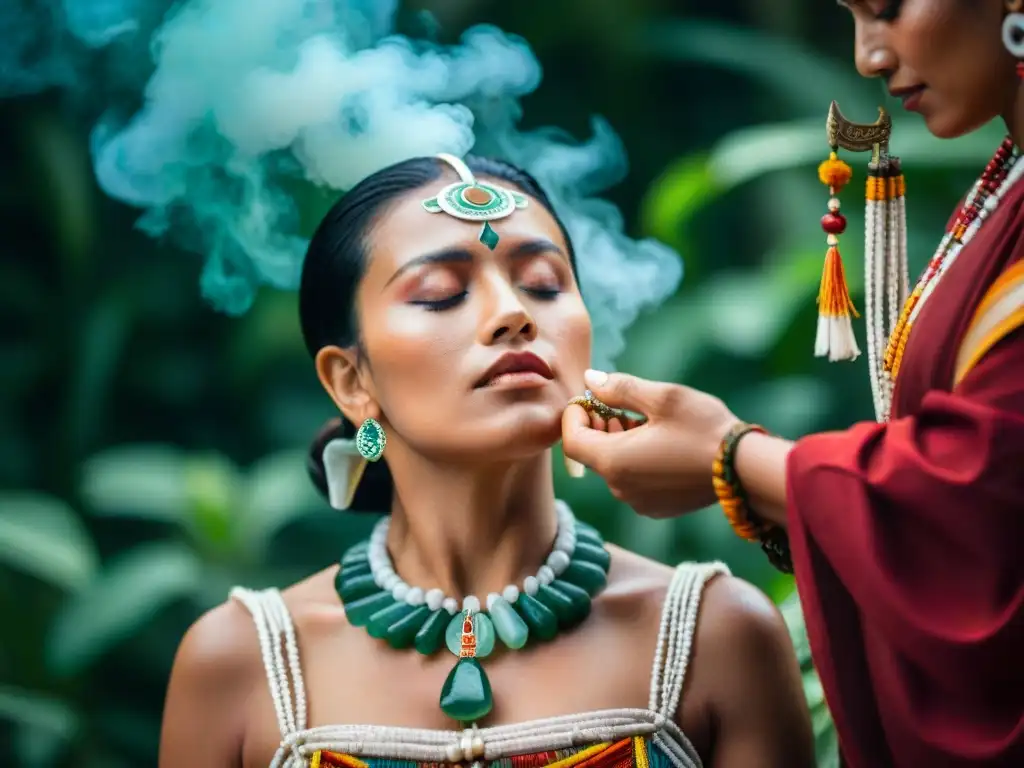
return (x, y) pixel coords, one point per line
(890, 306)
(557, 598)
(472, 200)
(885, 262)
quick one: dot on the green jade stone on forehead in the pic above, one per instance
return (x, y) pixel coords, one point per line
(477, 201)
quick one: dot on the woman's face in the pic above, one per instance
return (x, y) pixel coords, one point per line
(438, 311)
(943, 58)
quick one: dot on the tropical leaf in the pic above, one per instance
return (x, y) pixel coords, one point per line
(753, 152)
(213, 487)
(131, 591)
(44, 725)
(43, 536)
(33, 709)
(277, 492)
(140, 481)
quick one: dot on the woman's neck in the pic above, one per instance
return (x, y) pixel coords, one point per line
(470, 530)
(1014, 115)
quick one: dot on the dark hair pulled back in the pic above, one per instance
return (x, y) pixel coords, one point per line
(333, 268)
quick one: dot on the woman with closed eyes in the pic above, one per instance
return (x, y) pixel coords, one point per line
(481, 623)
(904, 533)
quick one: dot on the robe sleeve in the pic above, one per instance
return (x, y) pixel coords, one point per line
(908, 547)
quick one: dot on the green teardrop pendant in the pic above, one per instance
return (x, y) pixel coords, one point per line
(466, 694)
(488, 236)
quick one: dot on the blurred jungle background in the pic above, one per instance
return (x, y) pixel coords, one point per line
(152, 448)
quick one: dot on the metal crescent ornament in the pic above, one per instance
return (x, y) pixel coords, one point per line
(858, 137)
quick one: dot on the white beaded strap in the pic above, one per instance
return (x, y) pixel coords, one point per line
(498, 742)
(676, 633)
(280, 651)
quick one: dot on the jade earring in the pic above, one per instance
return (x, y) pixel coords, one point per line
(370, 440)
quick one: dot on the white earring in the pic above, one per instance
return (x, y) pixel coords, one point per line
(1013, 34)
(343, 469)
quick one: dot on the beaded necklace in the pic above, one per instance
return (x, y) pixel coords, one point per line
(557, 598)
(1001, 173)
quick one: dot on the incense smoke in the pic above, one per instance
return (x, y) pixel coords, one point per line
(251, 105)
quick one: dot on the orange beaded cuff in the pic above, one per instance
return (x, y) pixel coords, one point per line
(727, 485)
(774, 540)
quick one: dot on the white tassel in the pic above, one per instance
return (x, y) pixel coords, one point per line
(835, 338)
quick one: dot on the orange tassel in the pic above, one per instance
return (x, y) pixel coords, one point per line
(834, 295)
(835, 338)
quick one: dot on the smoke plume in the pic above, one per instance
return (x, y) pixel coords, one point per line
(250, 104)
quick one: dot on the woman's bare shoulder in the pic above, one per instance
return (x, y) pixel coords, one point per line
(728, 604)
(223, 642)
(738, 626)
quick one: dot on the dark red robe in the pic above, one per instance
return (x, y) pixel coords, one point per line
(908, 542)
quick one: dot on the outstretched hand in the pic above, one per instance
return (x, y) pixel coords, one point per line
(661, 467)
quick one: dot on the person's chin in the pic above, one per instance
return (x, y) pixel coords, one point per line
(947, 124)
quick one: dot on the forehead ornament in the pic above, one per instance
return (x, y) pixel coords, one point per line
(472, 200)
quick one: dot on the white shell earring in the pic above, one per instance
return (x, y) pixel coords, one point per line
(1013, 34)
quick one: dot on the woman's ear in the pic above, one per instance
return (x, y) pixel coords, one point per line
(338, 370)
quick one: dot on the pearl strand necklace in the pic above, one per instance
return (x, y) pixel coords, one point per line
(383, 570)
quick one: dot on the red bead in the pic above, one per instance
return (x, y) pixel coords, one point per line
(833, 223)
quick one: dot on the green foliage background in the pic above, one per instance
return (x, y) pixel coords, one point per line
(151, 451)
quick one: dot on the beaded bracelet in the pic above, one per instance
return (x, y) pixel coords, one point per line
(773, 539)
(727, 484)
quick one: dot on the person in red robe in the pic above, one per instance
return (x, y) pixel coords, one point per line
(906, 536)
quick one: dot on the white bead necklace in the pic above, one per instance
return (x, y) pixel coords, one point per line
(384, 575)
(883, 382)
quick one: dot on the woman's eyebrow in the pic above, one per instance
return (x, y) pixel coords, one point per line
(458, 255)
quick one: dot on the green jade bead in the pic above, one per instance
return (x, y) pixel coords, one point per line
(382, 620)
(403, 632)
(541, 620)
(508, 625)
(587, 530)
(355, 554)
(483, 628)
(590, 577)
(358, 568)
(431, 635)
(580, 599)
(589, 553)
(355, 589)
(559, 604)
(466, 694)
(359, 612)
